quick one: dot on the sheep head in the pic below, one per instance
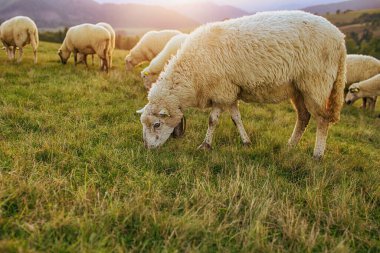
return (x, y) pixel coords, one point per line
(159, 123)
(148, 78)
(129, 63)
(64, 55)
(353, 94)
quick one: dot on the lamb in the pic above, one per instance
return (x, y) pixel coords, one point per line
(18, 32)
(150, 73)
(266, 57)
(150, 45)
(366, 88)
(86, 39)
(361, 68)
(83, 58)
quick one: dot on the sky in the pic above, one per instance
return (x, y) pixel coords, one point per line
(247, 5)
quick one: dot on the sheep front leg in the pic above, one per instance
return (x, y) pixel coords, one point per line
(13, 52)
(8, 50)
(85, 60)
(21, 53)
(236, 118)
(365, 102)
(75, 57)
(321, 137)
(212, 123)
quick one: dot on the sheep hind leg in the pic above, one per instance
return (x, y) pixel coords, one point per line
(212, 123)
(372, 103)
(35, 56)
(321, 137)
(104, 64)
(236, 118)
(303, 118)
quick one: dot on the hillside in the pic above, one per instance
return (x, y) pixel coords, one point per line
(52, 14)
(209, 12)
(343, 6)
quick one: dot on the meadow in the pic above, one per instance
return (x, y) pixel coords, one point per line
(75, 176)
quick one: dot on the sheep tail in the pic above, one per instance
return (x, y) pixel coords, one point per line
(336, 98)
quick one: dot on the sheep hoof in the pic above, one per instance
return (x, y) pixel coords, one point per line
(318, 157)
(205, 146)
(247, 144)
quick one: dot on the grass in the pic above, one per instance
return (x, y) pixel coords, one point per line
(75, 177)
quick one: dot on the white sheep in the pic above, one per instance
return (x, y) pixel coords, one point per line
(150, 45)
(86, 39)
(83, 58)
(267, 58)
(150, 73)
(361, 68)
(17, 32)
(366, 88)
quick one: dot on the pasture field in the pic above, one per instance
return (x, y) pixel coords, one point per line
(349, 17)
(75, 176)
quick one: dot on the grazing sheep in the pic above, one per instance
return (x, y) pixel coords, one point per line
(150, 73)
(265, 58)
(150, 45)
(83, 58)
(367, 88)
(86, 39)
(360, 68)
(16, 33)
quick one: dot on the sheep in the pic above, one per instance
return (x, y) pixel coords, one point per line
(18, 32)
(366, 88)
(86, 39)
(83, 58)
(360, 68)
(266, 57)
(150, 73)
(150, 45)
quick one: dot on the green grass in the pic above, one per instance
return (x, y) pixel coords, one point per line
(75, 177)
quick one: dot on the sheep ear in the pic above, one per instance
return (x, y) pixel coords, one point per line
(141, 111)
(164, 113)
(180, 129)
(354, 90)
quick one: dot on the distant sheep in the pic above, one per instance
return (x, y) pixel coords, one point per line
(150, 73)
(361, 68)
(150, 45)
(16, 33)
(86, 39)
(267, 58)
(83, 58)
(367, 88)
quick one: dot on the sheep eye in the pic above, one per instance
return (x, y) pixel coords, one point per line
(157, 125)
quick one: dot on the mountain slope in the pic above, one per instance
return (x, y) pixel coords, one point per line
(51, 14)
(342, 6)
(209, 12)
